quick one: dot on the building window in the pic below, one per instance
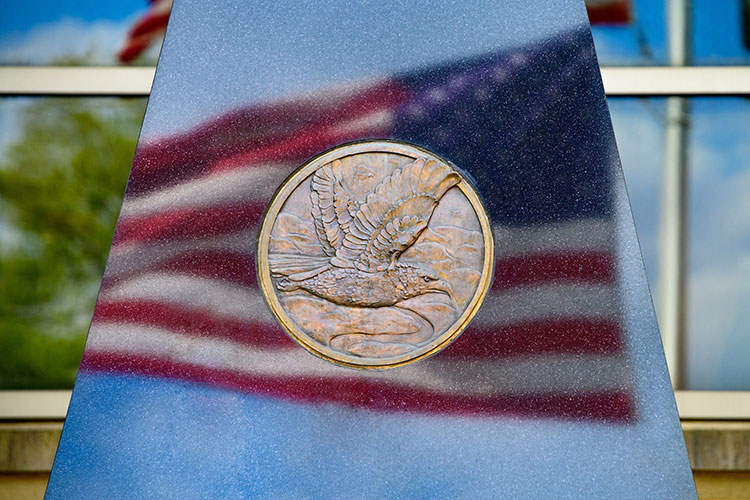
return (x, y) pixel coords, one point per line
(65, 102)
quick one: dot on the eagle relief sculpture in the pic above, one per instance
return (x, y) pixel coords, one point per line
(373, 257)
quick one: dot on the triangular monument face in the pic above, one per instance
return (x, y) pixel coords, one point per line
(374, 251)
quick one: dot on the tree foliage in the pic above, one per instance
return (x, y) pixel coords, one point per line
(61, 187)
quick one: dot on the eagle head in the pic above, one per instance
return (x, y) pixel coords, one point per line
(420, 280)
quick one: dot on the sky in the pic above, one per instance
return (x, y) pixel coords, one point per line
(718, 225)
(42, 31)
(717, 30)
(20, 17)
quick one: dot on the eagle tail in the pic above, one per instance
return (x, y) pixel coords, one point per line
(297, 267)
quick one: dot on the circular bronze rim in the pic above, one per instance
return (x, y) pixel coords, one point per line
(299, 335)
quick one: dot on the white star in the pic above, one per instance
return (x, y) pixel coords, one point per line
(499, 74)
(437, 95)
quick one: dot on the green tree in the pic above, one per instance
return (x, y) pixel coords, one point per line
(61, 187)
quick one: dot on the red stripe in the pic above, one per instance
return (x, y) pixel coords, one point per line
(133, 48)
(583, 266)
(147, 30)
(151, 22)
(615, 12)
(561, 335)
(614, 406)
(193, 322)
(239, 267)
(298, 147)
(188, 223)
(229, 266)
(175, 159)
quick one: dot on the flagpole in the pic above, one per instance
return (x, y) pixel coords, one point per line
(673, 261)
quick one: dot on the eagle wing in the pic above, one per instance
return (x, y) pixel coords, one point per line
(333, 207)
(394, 215)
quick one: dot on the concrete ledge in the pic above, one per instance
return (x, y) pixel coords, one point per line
(718, 446)
(28, 446)
(722, 485)
(29, 486)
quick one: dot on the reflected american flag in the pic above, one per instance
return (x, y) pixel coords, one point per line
(180, 297)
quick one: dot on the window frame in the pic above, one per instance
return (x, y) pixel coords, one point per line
(640, 81)
(692, 405)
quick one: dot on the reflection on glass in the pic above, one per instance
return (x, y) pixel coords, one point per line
(719, 245)
(718, 34)
(641, 41)
(626, 32)
(717, 334)
(63, 167)
(548, 340)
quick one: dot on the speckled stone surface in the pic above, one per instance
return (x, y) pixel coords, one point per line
(557, 389)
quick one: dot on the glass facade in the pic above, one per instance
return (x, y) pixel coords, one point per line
(54, 301)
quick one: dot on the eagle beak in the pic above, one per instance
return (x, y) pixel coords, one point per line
(443, 287)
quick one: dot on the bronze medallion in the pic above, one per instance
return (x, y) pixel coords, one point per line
(375, 254)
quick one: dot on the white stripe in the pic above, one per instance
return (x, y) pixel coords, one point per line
(513, 306)
(378, 120)
(519, 375)
(218, 297)
(548, 301)
(257, 182)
